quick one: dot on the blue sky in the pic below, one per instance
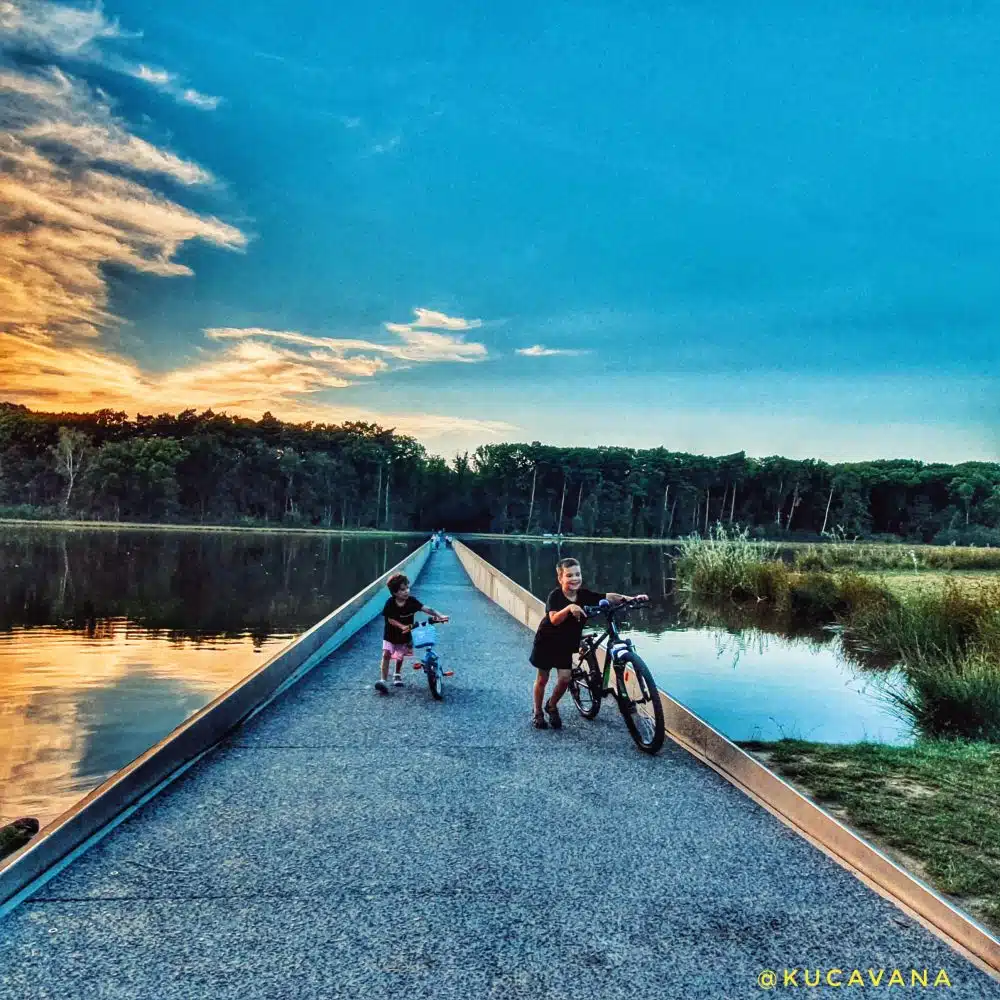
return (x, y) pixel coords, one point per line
(712, 229)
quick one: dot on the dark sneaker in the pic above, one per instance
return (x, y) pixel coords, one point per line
(381, 687)
(554, 718)
(538, 721)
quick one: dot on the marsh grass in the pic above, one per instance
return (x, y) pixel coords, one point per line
(932, 805)
(914, 558)
(728, 564)
(946, 638)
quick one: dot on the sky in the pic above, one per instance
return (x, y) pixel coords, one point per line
(696, 226)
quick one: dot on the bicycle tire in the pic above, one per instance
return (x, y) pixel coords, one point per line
(639, 692)
(432, 668)
(585, 688)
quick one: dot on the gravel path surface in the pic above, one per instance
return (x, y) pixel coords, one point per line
(344, 844)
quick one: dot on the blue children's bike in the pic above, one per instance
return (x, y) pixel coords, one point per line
(424, 636)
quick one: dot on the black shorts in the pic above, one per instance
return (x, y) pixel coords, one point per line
(551, 659)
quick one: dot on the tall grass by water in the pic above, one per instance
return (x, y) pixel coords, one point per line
(946, 638)
(841, 555)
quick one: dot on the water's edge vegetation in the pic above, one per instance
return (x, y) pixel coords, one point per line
(945, 638)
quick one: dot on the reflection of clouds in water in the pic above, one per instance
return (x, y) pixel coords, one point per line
(73, 710)
(121, 720)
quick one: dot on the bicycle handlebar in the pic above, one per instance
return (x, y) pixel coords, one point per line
(605, 608)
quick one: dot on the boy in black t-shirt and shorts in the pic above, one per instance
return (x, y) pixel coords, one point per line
(558, 637)
(398, 613)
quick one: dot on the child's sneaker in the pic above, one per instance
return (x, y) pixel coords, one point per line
(397, 680)
(381, 686)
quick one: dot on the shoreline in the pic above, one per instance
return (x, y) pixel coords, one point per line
(141, 526)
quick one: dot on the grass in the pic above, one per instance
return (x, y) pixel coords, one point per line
(912, 558)
(945, 637)
(932, 807)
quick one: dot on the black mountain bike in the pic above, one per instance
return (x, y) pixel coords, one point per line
(633, 687)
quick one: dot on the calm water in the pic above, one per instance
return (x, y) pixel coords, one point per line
(111, 639)
(748, 685)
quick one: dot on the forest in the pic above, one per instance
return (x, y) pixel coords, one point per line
(212, 468)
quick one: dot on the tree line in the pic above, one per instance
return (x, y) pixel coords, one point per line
(215, 468)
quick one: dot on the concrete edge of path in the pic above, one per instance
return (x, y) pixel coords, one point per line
(97, 813)
(826, 832)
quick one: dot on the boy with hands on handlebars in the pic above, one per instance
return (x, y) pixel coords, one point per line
(558, 637)
(398, 612)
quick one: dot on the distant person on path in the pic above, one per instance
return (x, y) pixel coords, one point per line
(558, 637)
(398, 613)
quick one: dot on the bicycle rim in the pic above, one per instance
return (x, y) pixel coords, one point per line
(640, 705)
(434, 678)
(586, 694)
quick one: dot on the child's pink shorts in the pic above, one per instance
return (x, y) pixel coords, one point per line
(396, 651)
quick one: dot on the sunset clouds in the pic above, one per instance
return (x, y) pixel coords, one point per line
(81, 192)
(248, 377)
(76, 190)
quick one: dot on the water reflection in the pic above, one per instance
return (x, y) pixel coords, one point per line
(108, 639)
(730, 670)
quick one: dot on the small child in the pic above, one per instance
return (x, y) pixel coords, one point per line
(398, 613)
(558, 637)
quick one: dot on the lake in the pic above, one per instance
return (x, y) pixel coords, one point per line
(109, 639)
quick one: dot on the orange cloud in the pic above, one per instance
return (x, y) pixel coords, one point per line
(249, 378)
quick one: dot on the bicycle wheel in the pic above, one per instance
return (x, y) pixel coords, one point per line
(585, 688)
(640, 705)
(432, 668)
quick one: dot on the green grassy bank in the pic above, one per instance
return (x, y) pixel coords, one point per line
(930, 807)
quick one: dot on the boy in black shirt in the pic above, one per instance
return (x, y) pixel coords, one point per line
(558, 637)
(398, 613)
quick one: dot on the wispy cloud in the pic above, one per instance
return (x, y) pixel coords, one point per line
(422, 346)
(427, 319)
(55, 30)
(170, 84)
(203, 101)
(537, 351)
(68, 207)
(157, 77)
(74, 183)
(388, 146)
(59, 32)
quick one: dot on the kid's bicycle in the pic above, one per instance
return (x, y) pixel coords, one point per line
(634, 688)
(424, 636)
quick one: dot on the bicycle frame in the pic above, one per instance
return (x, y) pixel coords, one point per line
(616, 646)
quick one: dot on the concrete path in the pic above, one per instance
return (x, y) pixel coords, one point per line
(344, 844)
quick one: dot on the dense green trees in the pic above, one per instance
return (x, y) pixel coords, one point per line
(213, 468)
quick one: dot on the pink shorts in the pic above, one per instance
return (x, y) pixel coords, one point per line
(396, 651)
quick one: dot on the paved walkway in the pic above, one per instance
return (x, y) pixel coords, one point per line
(347, 845)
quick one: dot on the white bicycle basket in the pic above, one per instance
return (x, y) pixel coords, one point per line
(423, 635)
